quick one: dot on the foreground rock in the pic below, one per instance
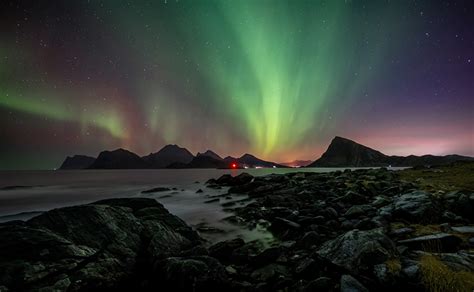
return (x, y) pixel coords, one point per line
(99, 246)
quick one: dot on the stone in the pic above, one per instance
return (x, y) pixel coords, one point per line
(156, 190)
(358, 251)
(223, 250)
(320, 284)
(268, 272)
(437, 242)
(98, 246)
(309, 239)
(350, 284)
(190, 274)
(415, 207)
(463, 229)
(358, 210)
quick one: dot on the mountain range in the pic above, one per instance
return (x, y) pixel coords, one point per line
(170, 156)
(341, 152)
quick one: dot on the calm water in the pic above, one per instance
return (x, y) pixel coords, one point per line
(52, 189)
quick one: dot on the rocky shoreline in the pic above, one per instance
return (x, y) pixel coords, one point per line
(363, 230)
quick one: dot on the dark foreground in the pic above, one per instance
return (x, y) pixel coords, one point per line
(365, 230)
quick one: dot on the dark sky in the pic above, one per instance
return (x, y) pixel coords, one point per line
(277, 79)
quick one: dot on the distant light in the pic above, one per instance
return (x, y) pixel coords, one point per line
(234, 165)
(246, 167)
(274, 166)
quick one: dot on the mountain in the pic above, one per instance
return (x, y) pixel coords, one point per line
(202, 161)
(119, 159)
(343, 152)
(77, 162)
(297, 163)
(168, 155)
(211, 154)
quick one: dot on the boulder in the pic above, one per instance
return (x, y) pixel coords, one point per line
(358, 251)
(414, 207)
(436, 242)
(99, 246)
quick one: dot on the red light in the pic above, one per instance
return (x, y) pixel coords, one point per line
(234, 165)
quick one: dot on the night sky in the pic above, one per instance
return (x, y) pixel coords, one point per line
(278, 79)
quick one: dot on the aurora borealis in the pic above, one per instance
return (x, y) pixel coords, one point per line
(276, 78)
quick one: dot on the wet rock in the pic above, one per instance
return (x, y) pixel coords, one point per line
(436, 242)
(156, 190)
(415, 207)
(223, 250)
(350, 284)
(359, 251)
(228, 180)
(190, 274)
(90, 247)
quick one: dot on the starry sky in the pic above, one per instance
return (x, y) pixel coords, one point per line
(278, 79)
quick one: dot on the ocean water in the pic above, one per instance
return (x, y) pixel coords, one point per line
(39, 191)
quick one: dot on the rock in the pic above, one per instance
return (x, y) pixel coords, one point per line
(459, 261)
(388, 272)
(190, 274)
(436, 242)
(309, 239)
(269, 272)
(228, 180)
(412, 272)
(267, 256)
(156, 190)
(402, 231)
(98, 246)
(463, 229)
(358, 251)
(350, 284)
(358, 210)
(320, 284)
(281, 225)
(415, 207)
(223, 250)
(308, 268)
(381, 201)
(199, 191)
(352, 197)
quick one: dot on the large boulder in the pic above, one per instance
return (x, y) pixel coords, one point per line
(358, 251)
(99, 246)
(415, 207)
